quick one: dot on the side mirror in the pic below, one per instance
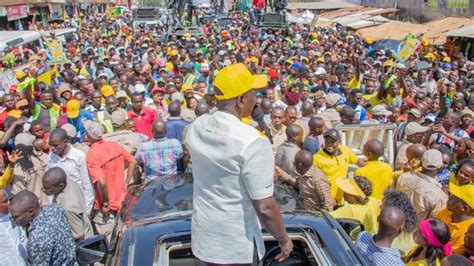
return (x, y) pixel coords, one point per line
(92, 250)
(351, 227)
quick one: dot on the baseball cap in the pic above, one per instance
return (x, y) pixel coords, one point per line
(20, 75)
(380, 110)
(177, 96)
(332, 133)
(235, 80)
(24, 139)
(140, 88)
(432, 159)
(107, 90)
(102, 75)
(464, 193)
(73, 107)
(157, 90)
(70, 130)
(117, 118)
(467, 111)
(349, 186)
(320, 71)
(121, 94)
(332, 98)
(415, 112)
(413, 128)
(94, 129)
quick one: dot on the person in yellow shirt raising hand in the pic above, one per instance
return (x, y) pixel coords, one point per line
(380, 174)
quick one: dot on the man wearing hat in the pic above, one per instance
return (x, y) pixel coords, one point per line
(106, 162)
(29, 170)
(330, 116)
(413, 115)
(233, 176)
(127, 139)
(422, 187)
(76, 116)
(379, 115)
(334, 159)
(458, 214)
(414, 135)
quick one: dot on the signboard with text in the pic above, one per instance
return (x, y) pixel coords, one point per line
(17, 12)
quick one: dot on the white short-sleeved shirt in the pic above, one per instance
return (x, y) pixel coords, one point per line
(232, 164)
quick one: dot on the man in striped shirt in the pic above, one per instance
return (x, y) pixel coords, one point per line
(376, 249)
(160, 155)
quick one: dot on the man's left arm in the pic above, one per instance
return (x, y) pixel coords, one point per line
(130, 163)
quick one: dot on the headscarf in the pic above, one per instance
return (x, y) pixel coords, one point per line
(430, 237)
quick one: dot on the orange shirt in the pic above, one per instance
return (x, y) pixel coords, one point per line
(107, 159)
(458, 230)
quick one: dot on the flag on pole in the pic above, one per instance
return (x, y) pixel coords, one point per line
(407, 48)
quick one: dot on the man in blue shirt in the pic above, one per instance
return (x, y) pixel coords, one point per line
(376, 249)
(77, 117)
(50, 240)
(175, 123)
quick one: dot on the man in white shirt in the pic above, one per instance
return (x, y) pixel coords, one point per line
(73, 162)
(12, 238)
(233, 177)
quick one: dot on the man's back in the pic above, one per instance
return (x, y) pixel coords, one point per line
(71, 199)
(380, 174)
(160, 157)
(375, 255)
(50, 238)
(285, 157)
(175, 126)
(424, 192)
(129, 140)
(107, 159)
(232, 165)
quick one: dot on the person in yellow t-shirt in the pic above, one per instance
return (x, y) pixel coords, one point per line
(433, 240)
(380, 174)
(458, 214)
(360, 207)
(334, 159)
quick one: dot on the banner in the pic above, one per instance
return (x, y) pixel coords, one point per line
(56, 51)
(7, 79)
(407, 48)
(17, 12)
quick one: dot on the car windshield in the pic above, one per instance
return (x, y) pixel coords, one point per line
(172, 196)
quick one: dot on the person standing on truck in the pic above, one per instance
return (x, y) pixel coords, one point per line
(233, 177)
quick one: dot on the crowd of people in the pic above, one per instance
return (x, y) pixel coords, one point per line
(128, 106)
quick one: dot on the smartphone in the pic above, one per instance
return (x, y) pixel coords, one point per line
(438, 121)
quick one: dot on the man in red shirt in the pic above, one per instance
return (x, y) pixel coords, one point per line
(106, 162)
(142, 115)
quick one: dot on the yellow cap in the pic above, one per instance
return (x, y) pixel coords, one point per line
(20, 75)
(187, 35)
(368, 41)
(349, 186)
(305, 59)
(430, 56)
(235, 80)
(15, 113)
(314, 35)
(447, 59)
(424, 41)
(73, 107)
(173, 53)
(107, 90)
(389, 63)
(186, 87)
(465, 193)
(253, 59)
(320, 60)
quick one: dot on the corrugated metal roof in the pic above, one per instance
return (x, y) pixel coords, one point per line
(319, 5)
(369, 22)
(466, 31)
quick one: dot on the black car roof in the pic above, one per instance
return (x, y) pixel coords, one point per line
(171, 197)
